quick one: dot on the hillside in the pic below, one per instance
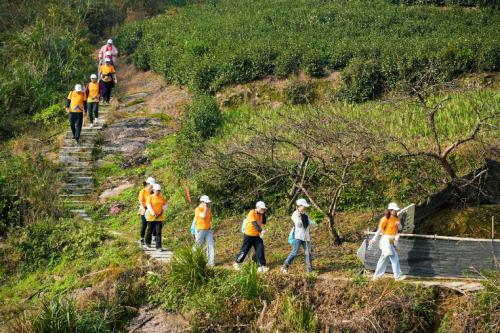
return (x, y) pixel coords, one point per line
(350, 104)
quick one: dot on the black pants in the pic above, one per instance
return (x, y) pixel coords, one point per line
(108, 85)
(154, 225)
(258, 245)
(93, 109)
(75, 121)
(144, 226)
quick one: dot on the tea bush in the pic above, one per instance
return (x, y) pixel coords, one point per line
(478, 3)
(374, 42)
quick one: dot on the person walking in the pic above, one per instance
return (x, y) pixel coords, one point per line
(388, 227)
(107, 56)
(109, 47)
(156, 205)
(143, 196)
(252, 237)
(108, 78)
(301, 222)
(94, 91)
(76, 107)
(203, 230)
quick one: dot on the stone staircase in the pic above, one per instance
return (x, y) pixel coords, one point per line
(75, 163)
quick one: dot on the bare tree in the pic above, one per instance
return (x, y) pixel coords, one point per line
(442, 145)
(313, 152)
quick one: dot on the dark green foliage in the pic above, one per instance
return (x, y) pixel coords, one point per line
(43, 244)
(378, 43)
(478, 3)
(201, 119)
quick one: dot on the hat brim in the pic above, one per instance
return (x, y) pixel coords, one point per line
(207, 201)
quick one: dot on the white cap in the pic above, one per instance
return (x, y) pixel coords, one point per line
(110, 41)
(93, 76)
(151, 180)
(302, 202)
(108, 53)
(156, 187)
(261, 204)
(393, 206)
(107, 60)
(205, 198)
(78, 88)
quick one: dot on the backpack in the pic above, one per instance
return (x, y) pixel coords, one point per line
(193, 226)
(244, 225)
(291, 237)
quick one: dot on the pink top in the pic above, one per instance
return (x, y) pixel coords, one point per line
(114, 52)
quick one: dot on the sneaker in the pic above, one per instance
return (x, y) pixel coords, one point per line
(91, 125)
(148, 245)
(142, 241)
(236, 266)
(401, 278)
(96, 121)
(161, 249)
(212, 265)
(284, 270)
(375, 278)
(262, 269)
(310, 270)
(77, 142)
(154, 240)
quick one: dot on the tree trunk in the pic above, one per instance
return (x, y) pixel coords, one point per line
(331, 229)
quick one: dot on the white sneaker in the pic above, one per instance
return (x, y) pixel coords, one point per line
(91, 125)
(161, 249)
(96, 121)
(154, 240)
(401, 278)
(284, 270)
(236, 266)
(262, 269)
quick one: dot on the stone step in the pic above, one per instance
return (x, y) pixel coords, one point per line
(78, 180)
(75, 153)
(76, 203)
(73, 191)
(75, 169)
(67, 195)
(74, 164)
(87, 128)
(72, 159)
(85, 142)
(77, 185)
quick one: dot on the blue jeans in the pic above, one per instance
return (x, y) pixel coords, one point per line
(297, 243)
(382, 264)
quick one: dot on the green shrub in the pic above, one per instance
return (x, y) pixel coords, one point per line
(202, 118)
(50, 115)
(29, 190)
(361, 80)
(60, 315)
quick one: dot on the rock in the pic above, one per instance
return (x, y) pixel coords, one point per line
(276, 105)
(129, 136)
(133, 108)
(114, 191)
(131, 98)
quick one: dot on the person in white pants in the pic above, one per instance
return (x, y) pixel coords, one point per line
(203, 230)
(388, 227)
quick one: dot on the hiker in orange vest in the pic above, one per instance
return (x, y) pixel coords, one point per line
(94, 91)
(109, 47)
(156, 205)
(143, 196)
(107, 75)
(203, 230)
(76, 107)
(388, 228)
(253, 237)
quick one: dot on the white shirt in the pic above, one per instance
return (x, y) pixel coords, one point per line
(299, 231)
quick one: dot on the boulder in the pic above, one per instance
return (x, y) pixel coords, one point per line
(129, 136)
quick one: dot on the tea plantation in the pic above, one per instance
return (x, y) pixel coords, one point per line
(374, 42)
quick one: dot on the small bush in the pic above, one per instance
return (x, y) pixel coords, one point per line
(201, 119)
(51, 115)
